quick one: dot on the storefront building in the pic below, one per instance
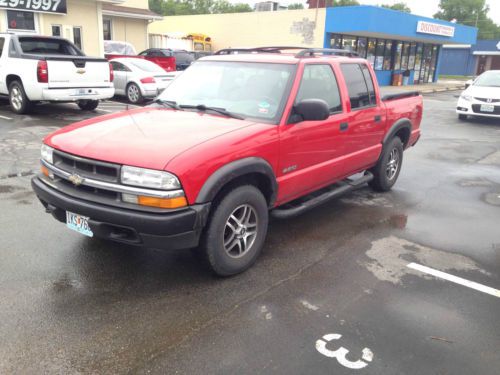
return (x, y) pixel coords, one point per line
(471, 60)
(395, 43)
(81, 21)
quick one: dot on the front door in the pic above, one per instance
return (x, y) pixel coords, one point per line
(120, 79)
(311, 151)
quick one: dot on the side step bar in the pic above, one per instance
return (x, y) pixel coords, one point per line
(331, 192)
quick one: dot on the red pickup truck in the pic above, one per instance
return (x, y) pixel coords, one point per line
(234, 139)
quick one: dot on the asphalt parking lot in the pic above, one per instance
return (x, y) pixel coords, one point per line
(346, 288)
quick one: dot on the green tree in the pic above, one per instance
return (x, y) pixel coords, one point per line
(296, 6)
(472, 13)
(344, 3)
(185, 7)
(402, 7)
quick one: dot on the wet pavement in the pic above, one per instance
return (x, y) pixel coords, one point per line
(333, 280)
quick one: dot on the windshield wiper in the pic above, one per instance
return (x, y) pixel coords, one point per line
(168, 103)
(204, 108)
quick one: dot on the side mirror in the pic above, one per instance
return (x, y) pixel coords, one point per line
(310, 110)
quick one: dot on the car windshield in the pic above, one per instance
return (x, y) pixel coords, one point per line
(146, 66)
(35, 45)
(491, 79)
(252, 90)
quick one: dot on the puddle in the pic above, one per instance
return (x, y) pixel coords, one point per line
(389, 257)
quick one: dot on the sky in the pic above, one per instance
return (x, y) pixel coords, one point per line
(420, 7)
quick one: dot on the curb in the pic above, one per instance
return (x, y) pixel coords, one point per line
(444, 89)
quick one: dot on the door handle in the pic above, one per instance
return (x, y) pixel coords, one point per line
(343, 126)
(378, 118)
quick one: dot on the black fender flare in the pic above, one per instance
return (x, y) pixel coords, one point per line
(402, 123)
(236, 169)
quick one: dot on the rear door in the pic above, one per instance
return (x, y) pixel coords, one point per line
(311, 151)
(365, 123)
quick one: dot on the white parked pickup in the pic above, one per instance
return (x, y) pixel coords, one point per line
(49, 69)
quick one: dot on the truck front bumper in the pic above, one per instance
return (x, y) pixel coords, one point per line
(73, 95)
(180, 229)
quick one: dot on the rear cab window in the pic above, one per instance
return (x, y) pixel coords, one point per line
(359, 85)
(49, 46)
(319, 82)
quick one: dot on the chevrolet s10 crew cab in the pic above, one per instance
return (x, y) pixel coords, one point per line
(37, 68)
(234, 139)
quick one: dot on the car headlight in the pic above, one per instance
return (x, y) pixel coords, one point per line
(47, 154)
(466, 97)
(149, 178)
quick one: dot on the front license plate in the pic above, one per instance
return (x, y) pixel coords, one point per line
(78, 223)
(487, 108)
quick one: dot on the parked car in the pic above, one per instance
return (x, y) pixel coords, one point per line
(115, 49)
(139, 79)
(183, 59)
(482, 97)
(49, 69)
(199, 54)
(233, 139)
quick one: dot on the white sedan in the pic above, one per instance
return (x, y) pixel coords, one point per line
(482, 97)
(139, 79)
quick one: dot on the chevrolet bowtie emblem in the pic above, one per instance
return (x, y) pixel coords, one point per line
(76, 180)
(81, 71)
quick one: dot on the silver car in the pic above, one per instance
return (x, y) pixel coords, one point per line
(139, 79)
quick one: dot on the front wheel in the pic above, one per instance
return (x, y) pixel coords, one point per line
(236, 231)
(386, 172)
(88, 105)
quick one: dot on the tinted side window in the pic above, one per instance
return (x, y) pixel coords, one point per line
(369, 84)
(356, 85)
(319, 82)
(2, 42)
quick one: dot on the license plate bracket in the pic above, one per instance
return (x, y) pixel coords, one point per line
(78, 223)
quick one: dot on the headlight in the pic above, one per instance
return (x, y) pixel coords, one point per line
(149, 178)
(47, 154)
(466, 97)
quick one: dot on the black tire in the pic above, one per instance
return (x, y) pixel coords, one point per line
(134, 95)
(88, 105)
(385, 175)
(19, 102)
(226, 260)
(462, 117)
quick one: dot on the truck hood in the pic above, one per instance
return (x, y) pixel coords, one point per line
(146, 137)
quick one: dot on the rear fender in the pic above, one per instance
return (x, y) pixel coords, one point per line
(402, 128)
(239, 168)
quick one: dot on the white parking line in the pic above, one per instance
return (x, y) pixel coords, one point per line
(455, 279)
(6, 118)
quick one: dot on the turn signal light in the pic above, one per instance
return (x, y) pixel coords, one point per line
(148, 80)
(162, 202)
(46, 172)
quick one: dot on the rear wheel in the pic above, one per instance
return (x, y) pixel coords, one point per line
(462, 117)
(19, 102)
(88, 105)
(236, 231)
(134, 95)
(386, 172)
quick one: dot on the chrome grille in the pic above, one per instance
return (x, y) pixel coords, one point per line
(87, 168)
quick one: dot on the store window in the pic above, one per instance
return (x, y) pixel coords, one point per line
(318, 82)
(349, 43)
(418, 62)
(56, 30)
(379, 54)
(362, 44)
(21, 20)
(77, 37)
(397, 56)
(359, 94)
(336, 41)
(372, 46)
(106, 29)
(405, 56)
(388, 55)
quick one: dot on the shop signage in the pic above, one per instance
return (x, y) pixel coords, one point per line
(435, 29)
(45, 6)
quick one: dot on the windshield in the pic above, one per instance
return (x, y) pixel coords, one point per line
(252, 90)
(491, 79)
(146, 66)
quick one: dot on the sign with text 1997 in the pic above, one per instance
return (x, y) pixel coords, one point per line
(46, 6)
